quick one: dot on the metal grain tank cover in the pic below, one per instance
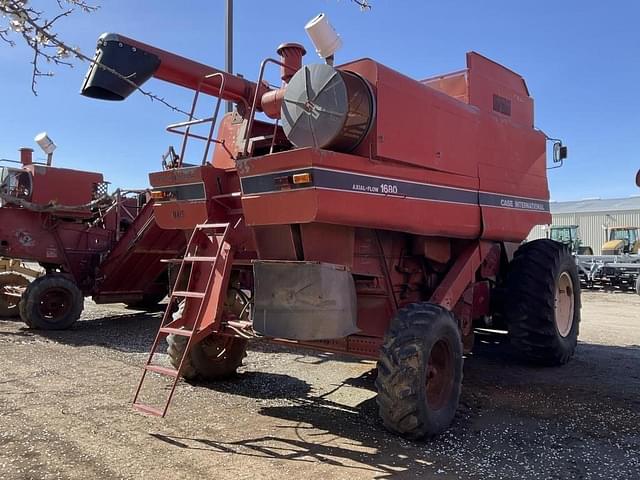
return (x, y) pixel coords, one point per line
(327, 108)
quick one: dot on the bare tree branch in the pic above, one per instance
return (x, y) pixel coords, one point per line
(40, 36)
(363, 4)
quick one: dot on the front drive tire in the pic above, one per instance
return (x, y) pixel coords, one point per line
(542, 302)
(420, 371)
(215, 358)
(51, 302)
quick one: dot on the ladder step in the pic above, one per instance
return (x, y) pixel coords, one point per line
(176, 331)
(170, 260)
(184, 294)
(148, 410)
(188, 259)
(169, 372)
(211, 226)
(199, 259)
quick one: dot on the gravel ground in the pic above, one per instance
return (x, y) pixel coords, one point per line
(65, 413)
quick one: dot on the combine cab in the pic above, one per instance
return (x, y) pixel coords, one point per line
(87, 243)
(377, 216)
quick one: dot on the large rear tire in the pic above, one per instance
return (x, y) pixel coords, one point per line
(420, 371)
(638, 285)
(51, 302)
(9, 303)
(542, 302)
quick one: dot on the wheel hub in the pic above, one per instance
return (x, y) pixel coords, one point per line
(564, 304)
(440, 374)
(55, 303)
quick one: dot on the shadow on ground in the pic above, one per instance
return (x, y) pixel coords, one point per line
(512, 418)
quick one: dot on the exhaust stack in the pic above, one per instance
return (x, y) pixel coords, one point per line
(26, 156)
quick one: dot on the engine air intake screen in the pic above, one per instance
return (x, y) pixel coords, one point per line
(327, 108)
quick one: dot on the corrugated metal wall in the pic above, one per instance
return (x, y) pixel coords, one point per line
(591, 231)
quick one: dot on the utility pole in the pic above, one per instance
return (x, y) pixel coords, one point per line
(228, 44)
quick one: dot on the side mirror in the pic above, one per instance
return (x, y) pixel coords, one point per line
(638, 178)
(560, 152)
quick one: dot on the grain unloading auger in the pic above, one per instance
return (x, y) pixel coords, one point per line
(377, 216)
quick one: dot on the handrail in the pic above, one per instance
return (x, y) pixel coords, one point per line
(175, 127)
(254, 104)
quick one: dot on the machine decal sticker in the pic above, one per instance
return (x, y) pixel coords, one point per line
(346, 181)
(25, 238)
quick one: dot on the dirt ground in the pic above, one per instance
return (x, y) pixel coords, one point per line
(65, 412)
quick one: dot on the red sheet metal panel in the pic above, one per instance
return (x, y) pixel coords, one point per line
(63, 186)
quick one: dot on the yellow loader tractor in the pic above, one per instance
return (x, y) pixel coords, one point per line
(622, 240)
(15, 276)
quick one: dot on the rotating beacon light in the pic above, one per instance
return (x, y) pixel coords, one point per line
(324, 37)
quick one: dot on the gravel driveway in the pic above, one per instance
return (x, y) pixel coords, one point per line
(65, 413)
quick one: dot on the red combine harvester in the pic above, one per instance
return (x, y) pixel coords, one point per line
(377, 216)
(88, 242)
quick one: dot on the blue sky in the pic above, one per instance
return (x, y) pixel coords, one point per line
(581, 60)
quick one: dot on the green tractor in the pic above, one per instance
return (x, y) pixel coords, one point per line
(568, 235)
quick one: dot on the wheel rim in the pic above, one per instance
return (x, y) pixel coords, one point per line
(564, 304)
(217, 347)
(439, 375)
(55, 303)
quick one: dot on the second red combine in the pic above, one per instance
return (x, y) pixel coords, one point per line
(86, 241)
(377, 216)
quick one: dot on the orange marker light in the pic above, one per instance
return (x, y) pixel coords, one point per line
(301, 178)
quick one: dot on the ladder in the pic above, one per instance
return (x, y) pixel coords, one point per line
(208, 259)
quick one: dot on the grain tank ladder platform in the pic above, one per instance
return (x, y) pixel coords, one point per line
(208, 258)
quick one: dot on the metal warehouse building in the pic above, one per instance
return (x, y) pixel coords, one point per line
(593, 216)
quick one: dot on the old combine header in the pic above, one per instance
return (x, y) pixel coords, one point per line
(86, 241)
(376, 215)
